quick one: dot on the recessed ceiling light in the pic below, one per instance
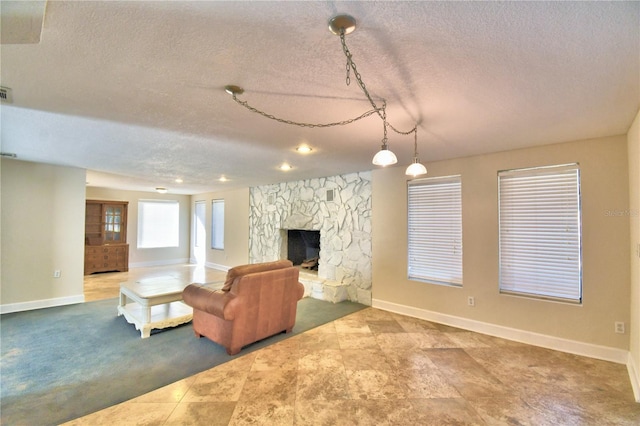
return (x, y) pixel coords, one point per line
(304, 149)
(285, 167)
(178, 180)
(161, 190)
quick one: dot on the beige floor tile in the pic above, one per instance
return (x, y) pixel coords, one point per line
(433, 339)
(365, 359)
(437, 412)
(202, 413)
(275, 358)
(385, 326)
(397, 341)
(357, 341)
(170, 393)
(375, 384)
(326, 385)
(408, 359)
(319, 341)
(325, 359)
(351, 325)
(128, 413)
(276, 385)
(216, 385)
(263, 412)
(425, 383)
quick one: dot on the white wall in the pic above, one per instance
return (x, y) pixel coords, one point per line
(139, 257)
(236, 228)
(606, 277)
(633, 146)
(42, 230)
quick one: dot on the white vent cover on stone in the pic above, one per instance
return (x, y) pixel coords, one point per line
(5, 95)
(330, 194)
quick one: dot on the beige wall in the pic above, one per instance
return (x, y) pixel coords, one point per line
(633, 146)
(149, 256)
(606, 277)
(42, 231)
(236, 228)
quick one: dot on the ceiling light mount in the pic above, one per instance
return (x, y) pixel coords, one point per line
(342, 23)
(232, 89)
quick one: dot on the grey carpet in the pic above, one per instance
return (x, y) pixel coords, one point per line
(62, 363)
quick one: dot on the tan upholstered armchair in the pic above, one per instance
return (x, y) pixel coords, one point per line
(257, 301)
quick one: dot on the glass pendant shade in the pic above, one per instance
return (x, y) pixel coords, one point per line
(416, 169)
(384, 157)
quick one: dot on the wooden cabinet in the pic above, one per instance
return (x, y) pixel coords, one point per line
(106, 247)
(110, 257)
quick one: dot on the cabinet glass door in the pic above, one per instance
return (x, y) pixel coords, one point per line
(113, 224)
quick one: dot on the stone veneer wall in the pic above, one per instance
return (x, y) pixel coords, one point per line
(344, 225)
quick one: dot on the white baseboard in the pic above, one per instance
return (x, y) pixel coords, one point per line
(158, 263)
(634, 375)
(39, 304)
(217, 266)
(605, 353)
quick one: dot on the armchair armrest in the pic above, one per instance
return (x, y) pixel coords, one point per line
(208, 300)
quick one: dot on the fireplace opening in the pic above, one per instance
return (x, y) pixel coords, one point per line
(303, 248)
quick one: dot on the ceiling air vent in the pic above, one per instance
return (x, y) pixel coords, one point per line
(5, 95)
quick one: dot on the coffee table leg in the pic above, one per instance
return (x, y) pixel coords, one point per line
(145, 331)
(123, 302)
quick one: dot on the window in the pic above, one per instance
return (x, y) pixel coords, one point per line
(435, 230)
(540, 232)
(217, 224)
(199, 229)
(158, 223)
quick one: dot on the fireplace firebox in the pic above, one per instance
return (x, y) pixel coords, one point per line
(303, 248)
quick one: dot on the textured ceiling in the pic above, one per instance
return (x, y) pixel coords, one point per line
(134, 91)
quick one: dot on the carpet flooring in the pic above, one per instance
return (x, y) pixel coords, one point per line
(65, 362)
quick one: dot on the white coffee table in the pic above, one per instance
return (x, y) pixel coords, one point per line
(156, 303)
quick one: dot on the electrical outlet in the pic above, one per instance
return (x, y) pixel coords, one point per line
(57, 273)
(471, 301)
(619, 326)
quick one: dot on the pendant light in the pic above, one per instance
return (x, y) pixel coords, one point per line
(384, 157)
(416, 168)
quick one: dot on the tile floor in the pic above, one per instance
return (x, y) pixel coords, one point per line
(378, 368)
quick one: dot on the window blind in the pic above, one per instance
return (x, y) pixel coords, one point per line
(435, 230)
(217, 224)
(158, 223)
(540, 232)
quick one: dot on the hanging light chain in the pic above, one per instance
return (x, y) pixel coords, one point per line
(381, 111)
(351, 65)
(300, 124)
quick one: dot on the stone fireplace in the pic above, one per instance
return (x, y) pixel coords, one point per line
(338, 209)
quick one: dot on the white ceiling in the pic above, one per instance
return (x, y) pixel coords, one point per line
(133, 91)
